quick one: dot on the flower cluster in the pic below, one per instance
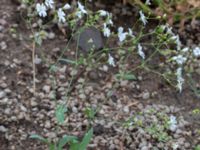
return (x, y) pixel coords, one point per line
(42, 8)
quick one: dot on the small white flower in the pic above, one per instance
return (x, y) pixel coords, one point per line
(110, 22)
(180, 79)
(163, 27)
(67, 6)
(82, 8)
(186, 49)
(172, 123)
(148, 2)
(140, 52)
(49, 3)
(79, 14)
(143, 18)
(103, 13)
(196, 51)
(41, 10)
(169, 29)
(177, 41)
(121, 34)
(111, 60)
(179, 59)
(130, 32)
(61, 15)
(106, 31)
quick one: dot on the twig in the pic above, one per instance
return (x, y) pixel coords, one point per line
(34, 74)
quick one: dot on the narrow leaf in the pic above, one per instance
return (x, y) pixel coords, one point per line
(38, 137)
(86, 139)
(60, 113)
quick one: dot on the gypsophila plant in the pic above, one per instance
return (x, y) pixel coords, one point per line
(178, 60)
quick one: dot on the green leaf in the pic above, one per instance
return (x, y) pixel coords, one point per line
(53, 68)
(126, 76)
(197, 147)
(86, 140)
(66, 139)
(83, 145)
(52, 146)
(60, 113)
(90, 113)
(166, 52)
(67, 61)
(129, 77)
(38, 137)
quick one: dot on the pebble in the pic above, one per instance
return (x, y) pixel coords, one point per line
(3, 85)
(51, 135)
(46, 88)
(2, 94)
(33, 103)
(3, 45)
(37, 60)
(93, 75)
(51, 35)
(8, 91)
(47, 124)
(3, 129)
(126, 109)
(146, 95)
(3, 22)
(144, 148)
(1, 28)
(82, 96)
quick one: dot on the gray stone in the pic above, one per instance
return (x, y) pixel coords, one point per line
(3, 129)
(51, 35)
(3, 45)
(46, 88)
(146, 95)
(90, 39)
(144, 148)
(2, 94)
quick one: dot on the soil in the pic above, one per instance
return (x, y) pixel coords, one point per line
(16, 71)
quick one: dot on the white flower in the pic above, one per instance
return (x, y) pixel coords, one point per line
(82, 9)
(140, 52)
(103, 13)
(168, 28)
(79, 14)
(179, 59)
(196, 51)
(130, 32)
(111, 60)
(177, 41)
(67, 6)
(49, 3)
(41, 10)
(148, 2)
(106, 30)
(186, 49)
(121, 34)
(180, 79)
(172, 123)
(143, 18)
(109, 22)
(61, 15)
